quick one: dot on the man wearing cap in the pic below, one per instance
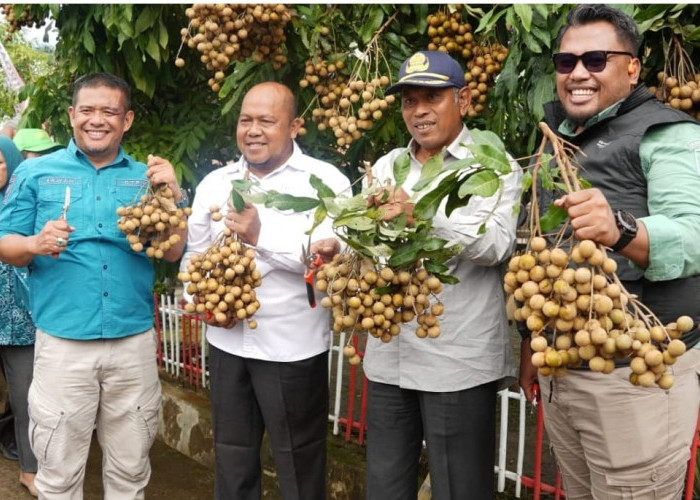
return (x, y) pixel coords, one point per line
(33, 142)
(443, 390)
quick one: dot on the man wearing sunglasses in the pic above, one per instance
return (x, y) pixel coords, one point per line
(612, 439)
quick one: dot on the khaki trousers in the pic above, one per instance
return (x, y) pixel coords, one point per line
(613, 440)
(111, 385)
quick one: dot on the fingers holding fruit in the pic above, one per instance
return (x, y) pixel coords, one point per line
(161, 171)
(591, 216)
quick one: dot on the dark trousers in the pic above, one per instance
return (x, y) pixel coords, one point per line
(290, 401)
(18, 364)
(460, 433)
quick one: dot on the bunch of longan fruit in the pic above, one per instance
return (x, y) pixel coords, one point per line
(346, 106)
(223, 279)
(224, 33)
(364, 298)
(146, 222)
(25, 18)
(577, 310)
(678, 93)
(450, 32)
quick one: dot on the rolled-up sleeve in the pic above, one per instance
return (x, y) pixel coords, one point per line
(670, 157)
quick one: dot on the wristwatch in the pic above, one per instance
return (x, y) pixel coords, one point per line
(627, 225)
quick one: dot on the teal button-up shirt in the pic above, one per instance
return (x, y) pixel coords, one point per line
(98, 288)
(670, 159)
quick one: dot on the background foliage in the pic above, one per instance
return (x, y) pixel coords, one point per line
(178, 116)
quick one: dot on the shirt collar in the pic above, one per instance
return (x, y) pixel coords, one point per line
(74, 150)
(295, 161)
(454, 149)
(568, 127)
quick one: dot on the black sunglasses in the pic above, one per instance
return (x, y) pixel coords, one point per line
(594, 60)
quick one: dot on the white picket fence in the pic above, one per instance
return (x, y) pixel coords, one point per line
(171, 339)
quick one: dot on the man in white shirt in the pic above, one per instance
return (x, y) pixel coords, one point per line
(274, 377)
(444, 389)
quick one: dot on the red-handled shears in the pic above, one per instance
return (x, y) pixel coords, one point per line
(64, 213)
(311, 262)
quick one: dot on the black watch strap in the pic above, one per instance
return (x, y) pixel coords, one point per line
(627, 225)
(624, 240)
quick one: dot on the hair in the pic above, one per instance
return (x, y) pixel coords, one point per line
(625, 26)
(103, 80)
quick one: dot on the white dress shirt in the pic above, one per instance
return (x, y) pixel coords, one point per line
(288, 328)
(474, 345)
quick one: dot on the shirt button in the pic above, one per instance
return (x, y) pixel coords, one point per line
(104, 267)
(654, 477)
(105, 294)
(99, 198)
(99, 225)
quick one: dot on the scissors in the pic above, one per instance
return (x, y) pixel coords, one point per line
(64, 212)
(311, 261)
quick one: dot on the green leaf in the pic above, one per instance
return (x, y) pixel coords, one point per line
(488, 138)
(434, 267)
(88, 41)
(428, 205)
(147, 18)
(490, 157)
(482, 183)
(243, 184)
(401, 167)
(524, 12)
(405, 254)
(461, 164)
(283, 201)
(322, 189)
(356, 222)
(430, 170)
(446, 278)
(237, 200)
(553, 218)
(152, 48)
(319, 216)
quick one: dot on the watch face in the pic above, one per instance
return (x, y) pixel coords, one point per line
(626, 221)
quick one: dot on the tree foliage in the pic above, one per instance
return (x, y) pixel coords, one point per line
(178, 116)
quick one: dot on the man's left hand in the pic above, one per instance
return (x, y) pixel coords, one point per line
(591, 216)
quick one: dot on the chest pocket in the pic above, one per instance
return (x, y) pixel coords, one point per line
(50, 198)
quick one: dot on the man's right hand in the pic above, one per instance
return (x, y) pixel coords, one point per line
(392, 203)
(528, 372)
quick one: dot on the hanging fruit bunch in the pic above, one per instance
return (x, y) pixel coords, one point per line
(576, 308)
(449, 31)
(349, 100)
(225, 33)
(147, 222)
(678, 84)
(223, 279)
(28, 16)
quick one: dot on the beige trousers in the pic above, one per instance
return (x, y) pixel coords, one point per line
(613, 440)
(111, 385)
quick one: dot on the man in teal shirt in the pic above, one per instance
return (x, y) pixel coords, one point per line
(91, 297)
(611, 439)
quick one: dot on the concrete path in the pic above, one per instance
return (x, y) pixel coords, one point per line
(174, 477)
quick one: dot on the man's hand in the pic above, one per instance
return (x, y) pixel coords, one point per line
(528, 372)
(392, 203)
(245, 223)
(591, 216)
(52, 239)
(161, 171)
(325, 248)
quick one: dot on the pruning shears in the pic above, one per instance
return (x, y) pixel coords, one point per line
(311, 262)
(64, 213)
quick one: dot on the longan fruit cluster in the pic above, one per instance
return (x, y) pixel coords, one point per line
(363, 298)
(346, 106)
(146, 222)
(225, 33)
(482, 70)
(576, 310)
(683, 95)
(223, 279)
(25, 18)
(450, 33)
